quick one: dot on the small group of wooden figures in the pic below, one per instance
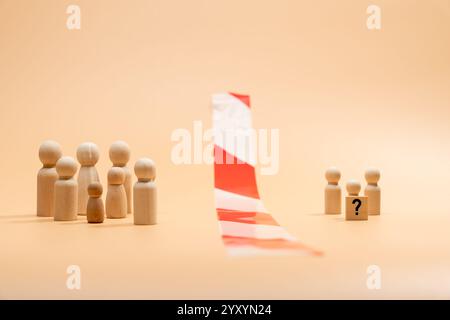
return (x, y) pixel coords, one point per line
(60, 196)
(356, 207)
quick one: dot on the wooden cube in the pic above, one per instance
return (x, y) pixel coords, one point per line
(356, 202)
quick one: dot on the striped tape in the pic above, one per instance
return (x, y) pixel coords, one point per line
(246, 226)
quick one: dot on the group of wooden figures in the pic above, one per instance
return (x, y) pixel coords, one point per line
(60, 196)
(356, 207)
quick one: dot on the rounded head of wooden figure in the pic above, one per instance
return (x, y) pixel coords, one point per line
(333, 175)
(88, 154)
(49, 153)
(353, 187)
(66, 167)
(116, 176)
(119, 153)
(145, 170)
(95, 189)
(372, 176)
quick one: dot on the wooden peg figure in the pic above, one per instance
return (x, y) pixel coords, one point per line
(66, 190)
(355, 205)
(119, 153)
(333, 191)
(87, 155)
(116, 198)
(373, 191)
(95, 210)
(144, 193)
(49, 154)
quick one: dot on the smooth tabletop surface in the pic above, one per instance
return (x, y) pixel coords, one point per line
(185, 260)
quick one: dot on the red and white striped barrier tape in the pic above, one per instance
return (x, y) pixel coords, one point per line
(247, 227)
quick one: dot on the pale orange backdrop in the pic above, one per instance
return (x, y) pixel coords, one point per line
(339, 93)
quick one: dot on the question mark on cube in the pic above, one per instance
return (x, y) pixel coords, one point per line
(358, 205)
(355, 205)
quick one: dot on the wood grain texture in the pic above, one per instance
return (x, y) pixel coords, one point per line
(373, 191)
(95, 210)
(333, 192)
(66, 190)
(49, 154)
(116, 198)
(87, 155)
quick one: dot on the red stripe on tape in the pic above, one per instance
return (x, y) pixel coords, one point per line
(243, 97)
(274, 244)
(246, 217)
(232, 176)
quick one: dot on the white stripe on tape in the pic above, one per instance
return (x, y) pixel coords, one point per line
(233, 201)
(254, 231)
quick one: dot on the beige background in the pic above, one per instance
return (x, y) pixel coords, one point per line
(340, 94)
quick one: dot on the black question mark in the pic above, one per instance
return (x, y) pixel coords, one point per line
(357, 206)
